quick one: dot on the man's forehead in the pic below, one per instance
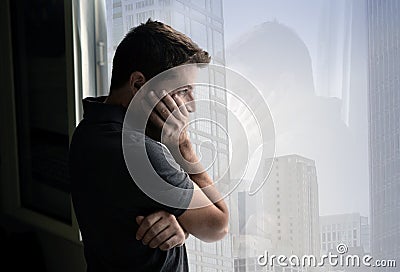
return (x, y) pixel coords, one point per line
(175, 78)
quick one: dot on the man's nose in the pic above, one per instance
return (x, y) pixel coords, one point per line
(190, 103)
(191, 106)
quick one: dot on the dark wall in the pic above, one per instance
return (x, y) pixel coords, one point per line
(29, 249)
(34, 134)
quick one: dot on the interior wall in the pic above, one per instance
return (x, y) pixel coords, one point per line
(25, 247)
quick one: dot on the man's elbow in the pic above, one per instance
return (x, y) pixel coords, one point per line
(218, 230)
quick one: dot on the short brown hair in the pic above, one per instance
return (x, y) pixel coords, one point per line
(152, 48)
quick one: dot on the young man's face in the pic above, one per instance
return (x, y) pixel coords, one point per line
(185, 77)
(186, 94)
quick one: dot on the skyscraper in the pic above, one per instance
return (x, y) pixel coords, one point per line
(202, 21)
(249, 236)
(288, 206)
(384, 126)
(291, 206)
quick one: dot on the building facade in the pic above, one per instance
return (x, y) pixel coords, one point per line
(384, 127)
(292, 208)
(288, 207)
(349, 229)
(202, 21)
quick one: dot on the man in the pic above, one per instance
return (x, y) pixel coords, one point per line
(123, 229)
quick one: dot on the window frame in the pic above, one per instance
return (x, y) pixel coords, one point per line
(82, 62)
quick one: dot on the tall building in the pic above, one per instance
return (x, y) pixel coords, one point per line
(251, 264)
(384, 127)
(202, 21)
(291, 206)
(349, 229)
(248, 229)
(289, 210)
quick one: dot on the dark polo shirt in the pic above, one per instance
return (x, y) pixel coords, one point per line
(106, 200)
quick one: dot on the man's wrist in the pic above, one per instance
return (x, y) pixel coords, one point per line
(186, 157)
(187, 152)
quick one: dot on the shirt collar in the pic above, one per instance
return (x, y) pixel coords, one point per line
(94, 109)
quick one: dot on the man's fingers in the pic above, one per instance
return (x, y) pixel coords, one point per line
(170, 103)
(160, 107)
(153, 117)
(161, 237)
(146, 224)
(155, 230)
(182, 107)
(171, 243)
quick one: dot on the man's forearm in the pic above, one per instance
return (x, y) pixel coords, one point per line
(190, 163)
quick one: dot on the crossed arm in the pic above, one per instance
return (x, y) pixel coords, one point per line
(160, 230)
(209, 222)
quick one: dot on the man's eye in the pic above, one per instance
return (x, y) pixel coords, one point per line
(183, 92)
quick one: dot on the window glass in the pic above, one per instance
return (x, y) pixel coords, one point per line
(218, 44)
(320, 54)
(199, 3)
(216, 7)
(199, 33)
(178, 21)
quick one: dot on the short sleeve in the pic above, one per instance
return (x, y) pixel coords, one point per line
(170, 171)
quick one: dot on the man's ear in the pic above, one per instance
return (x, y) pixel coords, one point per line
(136, 81)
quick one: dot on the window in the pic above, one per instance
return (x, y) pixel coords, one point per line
(203, 21)
(218, 44)
(142, 17)
(38, 133)
(178, 20)
(210, 248)
(129, 22)
(129, 7)
(199, 3)
(199, 33)
(145, 3)
(216, 7)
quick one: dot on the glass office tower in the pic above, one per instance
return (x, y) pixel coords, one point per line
(384, 127)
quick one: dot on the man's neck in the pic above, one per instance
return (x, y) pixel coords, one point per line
(119, 97)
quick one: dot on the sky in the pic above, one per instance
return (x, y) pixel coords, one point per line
(304, 18)
(240, 16)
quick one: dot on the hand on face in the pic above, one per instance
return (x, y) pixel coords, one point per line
(169, 116)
